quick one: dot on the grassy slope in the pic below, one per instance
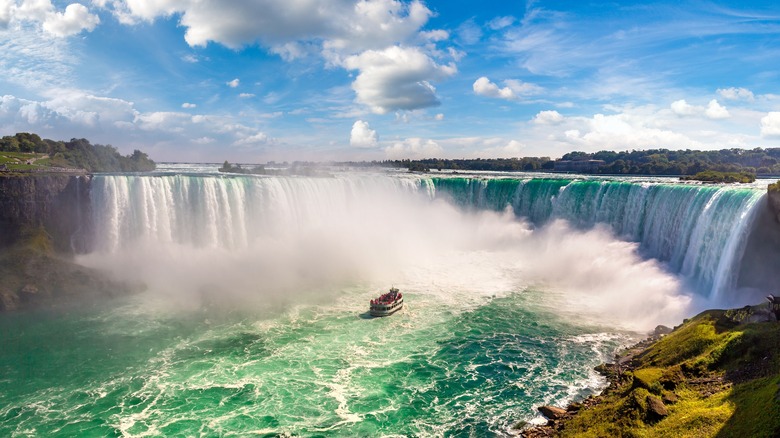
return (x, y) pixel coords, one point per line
(717, 379)
(16, 161)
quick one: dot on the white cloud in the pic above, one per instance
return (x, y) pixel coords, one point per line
(246, 95)
(75, 19)
(396, 78)
(439, 117)
(770, 124)
(736, 94)
(233, 84)
(713, 110)
(341, 25)
(513, 90)
(259, 138)
(435, 35)
(551, 117)
(484, 87)
(188, 105)
(362, 136)
(683, 108)
(501, 22)
(413, 148)
(716, 111)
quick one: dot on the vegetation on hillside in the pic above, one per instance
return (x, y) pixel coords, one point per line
(27, 152)
(684, 162)
(775, 187)
(710, 377)
(648, 162)
(714, 176)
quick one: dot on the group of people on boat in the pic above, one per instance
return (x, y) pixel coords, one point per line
(388, 298)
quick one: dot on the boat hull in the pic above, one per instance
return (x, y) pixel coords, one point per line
(385, 310)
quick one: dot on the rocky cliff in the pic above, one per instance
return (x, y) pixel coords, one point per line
(773, 195)
(58, 203)
(44, 221)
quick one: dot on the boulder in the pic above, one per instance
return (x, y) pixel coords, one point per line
(552, 412)
(670, 398)
(655, 408)
(661, 330)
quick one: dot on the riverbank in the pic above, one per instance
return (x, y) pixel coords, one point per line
(715, 375)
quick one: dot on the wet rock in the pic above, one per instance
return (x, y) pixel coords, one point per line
(552, 412)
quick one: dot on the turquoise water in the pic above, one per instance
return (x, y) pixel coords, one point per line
(311, 370)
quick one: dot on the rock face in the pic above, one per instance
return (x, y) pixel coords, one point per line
(58, 203)
(773, 196)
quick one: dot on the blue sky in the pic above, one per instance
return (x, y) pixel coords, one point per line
(252, 81)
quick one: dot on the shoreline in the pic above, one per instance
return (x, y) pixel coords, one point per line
(613, 372)
(716, 374)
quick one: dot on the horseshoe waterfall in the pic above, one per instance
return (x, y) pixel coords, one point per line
(250, 317)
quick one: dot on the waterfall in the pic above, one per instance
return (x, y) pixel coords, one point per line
(698, 231)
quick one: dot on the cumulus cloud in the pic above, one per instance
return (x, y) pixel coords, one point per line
(770, 124)
(187, 105)
(551, 117)
(75, 19)
(713, 110)
(736, 94)
(233, 84)
(413, 148)
(341, 25)
(396, 78)
(683, 108)
(716, 111)
(513, 89)
(484, 87)
(362, 136)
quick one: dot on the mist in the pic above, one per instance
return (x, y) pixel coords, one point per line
(314, 245)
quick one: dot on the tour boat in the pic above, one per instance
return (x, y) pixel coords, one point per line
(387, 303)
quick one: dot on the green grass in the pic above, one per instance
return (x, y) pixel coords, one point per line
(741, 362)
(17, 161)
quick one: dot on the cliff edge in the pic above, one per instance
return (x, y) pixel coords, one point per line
(773, 196)
(59, 203)
(716, 375)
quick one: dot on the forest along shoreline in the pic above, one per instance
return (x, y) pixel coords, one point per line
(717, 374)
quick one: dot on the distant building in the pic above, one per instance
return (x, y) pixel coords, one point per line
(578, 166)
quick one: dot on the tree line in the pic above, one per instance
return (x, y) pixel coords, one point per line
(78, 153)
(684, 162)
(646, 162)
